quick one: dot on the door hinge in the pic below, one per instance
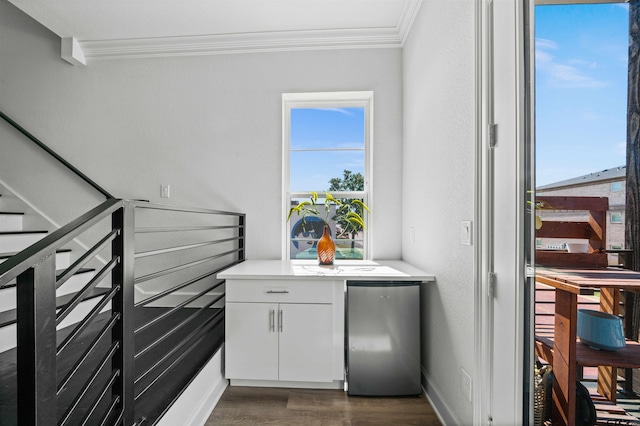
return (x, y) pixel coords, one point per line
(529, 272)
(493, 135)
(491, 285)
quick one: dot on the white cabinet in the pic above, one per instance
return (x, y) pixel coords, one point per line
(286, 342)
(251, 345)
(284, 331)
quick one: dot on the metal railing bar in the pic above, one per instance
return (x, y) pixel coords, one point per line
(182, 343)
(65, 418)
(175, 362)
(176, 328)
(185, 209)
(176, 288)
(113, 406)
(336, 240)
(96, 401)
(55, 155)
(175, 309)
(80, 296)
(181, 267)
(115, 317)
(148, 230)
(15, 265)
(87, 320)
(86, 257)
(180, 248)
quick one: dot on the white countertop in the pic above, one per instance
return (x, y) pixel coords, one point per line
(373, 270)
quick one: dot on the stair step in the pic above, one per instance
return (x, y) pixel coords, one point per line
(71, 286)
(9, 317)
(15, 241)
(63, 258)
(11, 221)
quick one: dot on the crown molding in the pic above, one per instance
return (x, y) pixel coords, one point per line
(277, 41)
(242, 43)
(407, 16)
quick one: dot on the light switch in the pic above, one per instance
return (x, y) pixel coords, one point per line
(164, 192)
(465, 237)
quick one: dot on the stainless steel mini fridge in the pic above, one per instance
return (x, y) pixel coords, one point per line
(383, 338)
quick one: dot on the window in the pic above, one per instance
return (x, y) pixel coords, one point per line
(326, 148)
(616, 217)
(616, 246)
(616, 186)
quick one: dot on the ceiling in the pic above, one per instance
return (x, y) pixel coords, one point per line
(106, 29)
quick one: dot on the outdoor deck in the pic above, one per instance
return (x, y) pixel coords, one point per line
(626, 410)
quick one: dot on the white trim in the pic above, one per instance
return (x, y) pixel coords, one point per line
(280, 41)
(482, 386)
(274, 41)
(71, 51)
(345, 99)
(407, 17)
(198, 400)
(445, 413)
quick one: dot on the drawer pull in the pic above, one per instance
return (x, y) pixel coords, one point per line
(277, 291)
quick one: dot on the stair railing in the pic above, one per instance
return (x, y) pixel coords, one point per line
(55, 155)
(112, 391)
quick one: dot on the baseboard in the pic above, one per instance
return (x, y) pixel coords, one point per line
(196, 403)
(439, 405)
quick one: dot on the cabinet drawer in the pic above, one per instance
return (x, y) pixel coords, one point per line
(279, 291)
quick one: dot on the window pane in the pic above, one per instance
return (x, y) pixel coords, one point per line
(305, 232)
(616, 217)
(312, 170)
(327, 128)
(616, 186)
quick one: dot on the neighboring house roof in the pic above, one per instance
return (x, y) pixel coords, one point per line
(616, 173)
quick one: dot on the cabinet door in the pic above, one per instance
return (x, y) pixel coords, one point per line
(251, 341)
(306, 342)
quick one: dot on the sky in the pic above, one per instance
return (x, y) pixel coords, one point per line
(325, 142)
(581, 56)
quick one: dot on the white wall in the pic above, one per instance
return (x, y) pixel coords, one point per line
(210, 126)
(438, 192)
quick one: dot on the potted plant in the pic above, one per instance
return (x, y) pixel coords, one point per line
(348, 219)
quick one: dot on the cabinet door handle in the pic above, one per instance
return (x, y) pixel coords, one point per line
(280, 319)
(277, 291)
(272, 320)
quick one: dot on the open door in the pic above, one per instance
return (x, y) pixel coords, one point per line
(504, 297)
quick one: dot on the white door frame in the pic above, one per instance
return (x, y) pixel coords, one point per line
(500, 212)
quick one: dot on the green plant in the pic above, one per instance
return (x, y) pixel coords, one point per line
(540, 205)
(348, 213)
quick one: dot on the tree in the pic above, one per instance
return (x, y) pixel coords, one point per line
(632, 208)
(350, 211)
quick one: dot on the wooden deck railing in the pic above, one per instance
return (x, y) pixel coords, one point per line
(594, 229)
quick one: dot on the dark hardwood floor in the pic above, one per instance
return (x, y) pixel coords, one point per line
(274, 406)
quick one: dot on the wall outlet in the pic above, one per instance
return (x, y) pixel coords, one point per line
(465, 384)
(164, 191)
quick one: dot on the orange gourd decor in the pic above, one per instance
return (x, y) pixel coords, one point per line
(326, 248)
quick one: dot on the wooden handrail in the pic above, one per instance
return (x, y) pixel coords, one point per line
(55, 155)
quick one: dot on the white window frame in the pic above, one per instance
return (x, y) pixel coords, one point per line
(348, 99)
